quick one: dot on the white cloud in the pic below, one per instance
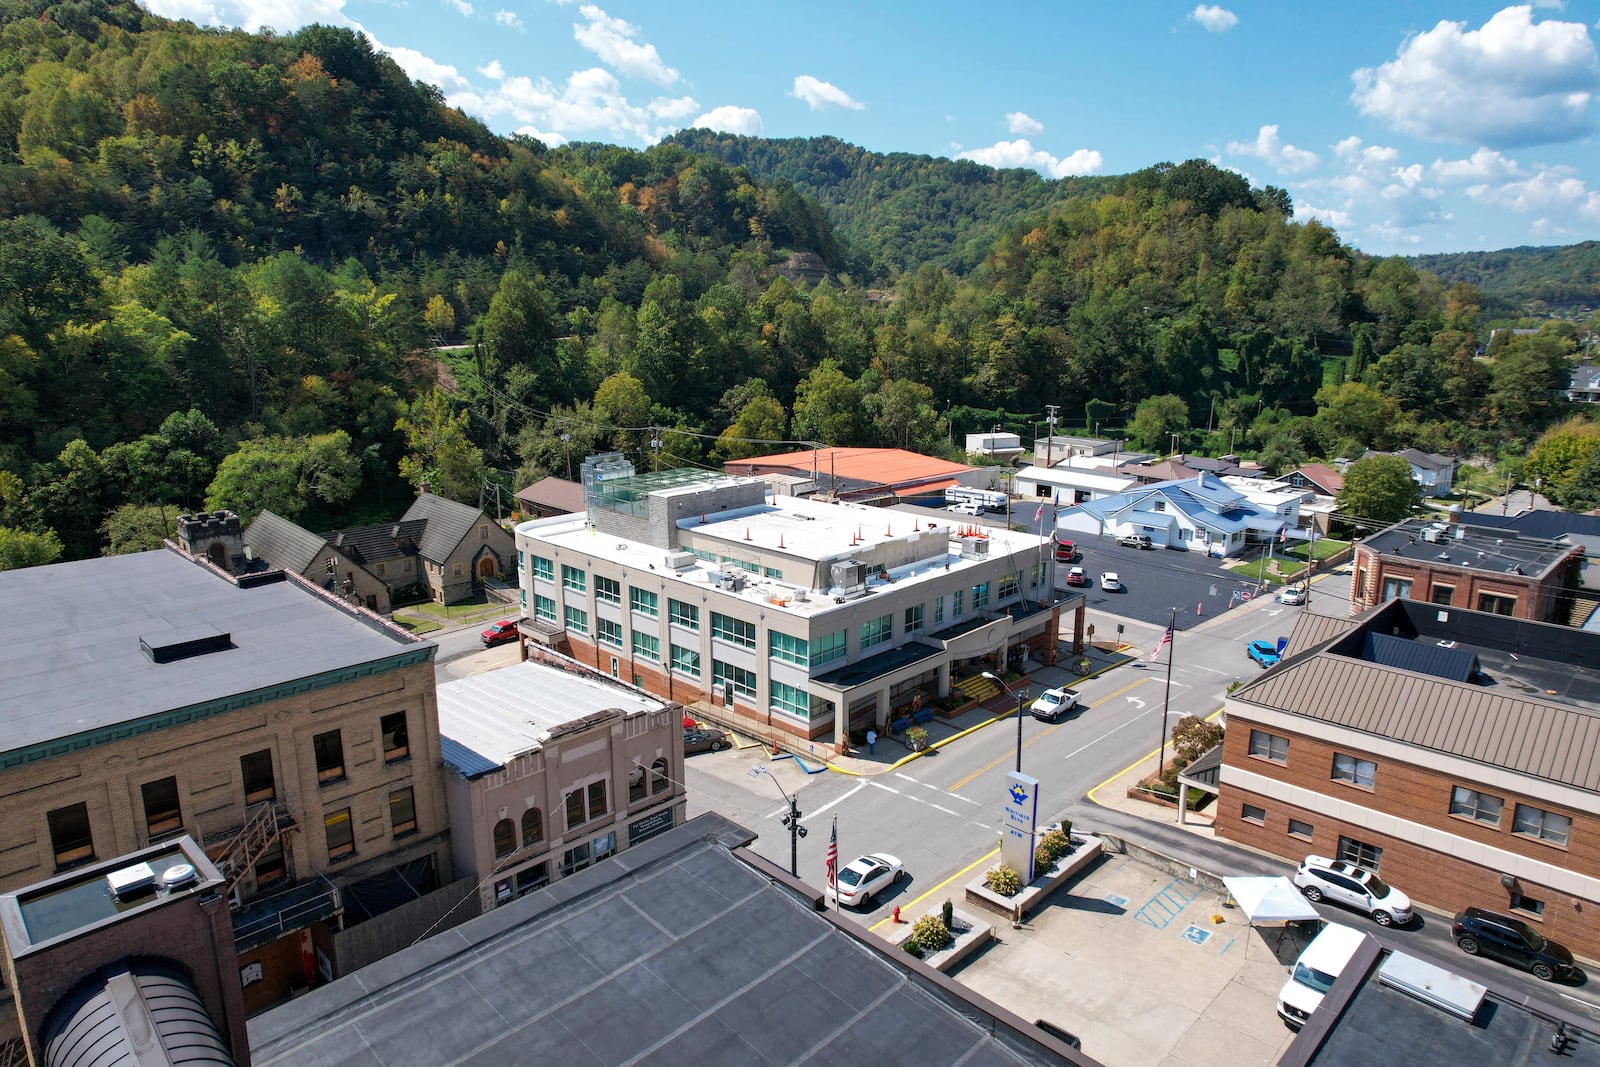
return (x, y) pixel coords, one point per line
(1214, 18)
(614, 41)
(282, 15)
(492, 70)
(507, 18)
(1374, 184)
(1483, 166)
(1555, 191)
(1023, 124)
(730, 119)
(1513, 82)
(591, 102)
(1021, 153)
(550, 139)
(673, 109)
(423, 68)
(463, 8)
(1267, 147)
(821, 95)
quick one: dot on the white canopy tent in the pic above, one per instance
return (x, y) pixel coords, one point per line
(1270, 902)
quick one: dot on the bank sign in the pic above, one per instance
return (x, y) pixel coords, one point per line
(1018, 819)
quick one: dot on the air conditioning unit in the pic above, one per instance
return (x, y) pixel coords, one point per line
(732, 581)
(848, 574)
(680, 561)
(975, 548)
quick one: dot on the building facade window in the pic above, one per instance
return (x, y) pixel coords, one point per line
(644, 601)
(574, 579)
(829, 647)
(607, 589)
(71, 840)
(1253, 813)
(605, 846)
(744, 682)
(956, 600)
(1475, 805)
(788, 648)
(686, 661)
(340, 833)
(685, 615)
(577, 620)
(1443, 594)
(734, 631)
(980, 596)
(543, 568)
(647, 646)
(913, 620)
(608, 632)
(1300, 829)
(505, 839)
(161, 810)
(659, 782)
(1359, 853)
(597, 799)
(791, 700)
(938, 610)
(1396, 588)
(1545, 825)
(1010, 586)
(532, 827)
(1354, 770)
(1269, 746)
(329, 751)
(396, 739)
(586, 803)
(877, 631)
(544, 608)
(402, 812)
(636, 788)
(1497, 603)
(1526, 904)
(575, 859)
(256, 770)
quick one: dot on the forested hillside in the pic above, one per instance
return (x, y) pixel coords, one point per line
(253, 271)
(1514, 280)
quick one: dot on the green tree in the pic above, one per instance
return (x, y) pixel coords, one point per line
(261, 475)
(759, 423)
(441, 456)
(68, 496)
(24, 548)
(1351, 417)
(1559, 454)
(1379, 489)
(138, 528)
(1583, 489)
(828, 407)
(904, 414)
(1156, 419)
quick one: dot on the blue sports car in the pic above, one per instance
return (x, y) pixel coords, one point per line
(1265, 653)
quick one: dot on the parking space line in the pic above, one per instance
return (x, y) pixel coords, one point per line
(852, 791)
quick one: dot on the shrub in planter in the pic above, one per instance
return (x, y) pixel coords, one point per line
(917, 738)
(1052, 846)
(910, 945)
(948, 914)
(931, 933)
(1003, 880)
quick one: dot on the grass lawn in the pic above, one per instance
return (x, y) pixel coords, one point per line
(1288, 562)
(429, 615)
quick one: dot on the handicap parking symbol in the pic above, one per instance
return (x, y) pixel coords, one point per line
(1196, 936)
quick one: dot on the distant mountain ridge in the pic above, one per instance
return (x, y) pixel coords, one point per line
(1512, 279)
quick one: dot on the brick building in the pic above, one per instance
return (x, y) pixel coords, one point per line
(1456, 564)
(293, 735)
(1454, 751)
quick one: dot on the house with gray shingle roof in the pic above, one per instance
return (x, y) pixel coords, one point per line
(459, 547)
(274, 542)
(1202, 514)
(1433, 472)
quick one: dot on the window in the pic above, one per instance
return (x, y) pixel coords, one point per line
(1359, 853)
(161, 814)
(607, 589)
(686, 661)
(1269, 746)
(597, 799)
(256, 770)
(1527, 904)
(577, 620)
(483, 533)
(828, 648)
(1161, 505)
(1355, 771)
(406, 566)
(1251, 813)
(1396, 588)
(636, 784)
(329, 750)
(544, 608)
(742, 564)
(531, 878)
(341, 834)
(1299, 829)
(1545, 825)
(456, 570)
(737, 631)
(270, 865)
(913, 620)
(790, 700)
(789, 649)
(608, 632)
(1497, 604)
(644, 602)
(70, 838)
(647, 646)
(1010, 585)
(574, 579)
(772, 572)
(1475, 805)
(605, 846)
(980, 596)
(1443, 594)
(956, 600)
(396, 742)
(532, 827)
(744, 682)
(574, 860)
(658, 777)
(575, 812)
(505, 839)
(380, 571)
(685, 615)
(543, 568)
(938, 610)
(402, 812)
(584, 804)
(877, 631)
(1035, 574)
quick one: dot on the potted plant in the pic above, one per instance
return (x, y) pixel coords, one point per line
(916, 739)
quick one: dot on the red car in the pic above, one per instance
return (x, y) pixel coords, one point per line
(1076, 577)
(1066, 551)
(501, 632)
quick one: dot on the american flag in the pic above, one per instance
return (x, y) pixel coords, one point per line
(1166, 639)
(1037, 515)
(833, 852)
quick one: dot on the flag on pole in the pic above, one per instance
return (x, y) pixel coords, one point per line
(1283, 533)
(833, 854)
(1166, 639)
(1037, 515)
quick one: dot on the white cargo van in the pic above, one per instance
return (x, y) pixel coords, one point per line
(1313, 974)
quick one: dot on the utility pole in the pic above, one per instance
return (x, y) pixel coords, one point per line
(1050, 442)
(566, 443)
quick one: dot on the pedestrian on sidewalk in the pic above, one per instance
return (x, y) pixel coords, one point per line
(872, 741)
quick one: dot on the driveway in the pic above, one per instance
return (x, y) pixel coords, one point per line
(1156, 581)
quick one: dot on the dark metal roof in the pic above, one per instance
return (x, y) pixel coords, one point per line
(379, 542)
(1550, 524)
(675, 951)
(278, 542)
(1205, 772)
(137, 1017)
(447, 523)
(1453, 664)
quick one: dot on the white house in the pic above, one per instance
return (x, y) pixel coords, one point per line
(1434, 473)
(1071, 485)
(994, 446)
(1194, 514)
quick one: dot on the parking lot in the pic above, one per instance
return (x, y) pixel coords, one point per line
(1155, 581)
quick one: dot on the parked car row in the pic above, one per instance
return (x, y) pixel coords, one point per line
(1110, 581)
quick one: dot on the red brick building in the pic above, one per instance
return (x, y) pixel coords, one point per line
(1457, 752)
(1455, 564)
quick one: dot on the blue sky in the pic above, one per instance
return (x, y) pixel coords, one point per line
(1408, 127)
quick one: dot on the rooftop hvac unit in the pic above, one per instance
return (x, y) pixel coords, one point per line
(849, 574)
(732, 581)
(680, 561)
(131, 881)
(975, 547)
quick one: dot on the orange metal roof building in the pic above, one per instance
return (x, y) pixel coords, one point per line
(854, 469)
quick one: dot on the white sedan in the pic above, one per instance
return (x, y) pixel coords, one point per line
(1111, 582)
(1292, 595)
(863, 879)
(1054, 703)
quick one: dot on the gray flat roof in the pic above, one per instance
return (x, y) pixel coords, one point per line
(489, 719)
(672, 952)
(1471, 548)
(73, 663)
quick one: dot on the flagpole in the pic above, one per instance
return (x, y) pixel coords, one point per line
(1166, 701)
(833, 861)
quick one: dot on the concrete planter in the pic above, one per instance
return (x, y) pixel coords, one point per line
(971, 934)
(1085, 849)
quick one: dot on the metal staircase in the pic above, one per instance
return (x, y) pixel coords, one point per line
(263, 827)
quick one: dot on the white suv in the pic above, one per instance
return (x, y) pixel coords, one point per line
(1320, 878)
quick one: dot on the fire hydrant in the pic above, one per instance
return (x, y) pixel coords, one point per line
(897, 913)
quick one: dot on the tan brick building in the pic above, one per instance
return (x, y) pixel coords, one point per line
(1454, 751)
(295, 736)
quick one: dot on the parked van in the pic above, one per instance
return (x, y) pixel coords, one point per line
(1313, 974)
(965, 509)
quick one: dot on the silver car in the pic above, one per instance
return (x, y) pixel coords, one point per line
(1321, 878)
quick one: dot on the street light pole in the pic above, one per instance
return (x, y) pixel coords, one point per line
(791, 820)
(1021, 695)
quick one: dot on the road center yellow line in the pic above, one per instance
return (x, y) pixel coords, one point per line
(1147, 756)
(908, 906)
